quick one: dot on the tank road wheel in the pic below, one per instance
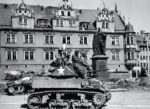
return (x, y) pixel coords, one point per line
(99, 100)
(76, 105)
(11, 90)
(90, 104)
(21, 89)
(34, 102)
(66, 105)
(52, 104)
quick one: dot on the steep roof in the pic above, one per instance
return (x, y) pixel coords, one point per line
(119, 23)
(85, 15)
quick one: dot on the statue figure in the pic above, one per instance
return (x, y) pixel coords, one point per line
(99, 41)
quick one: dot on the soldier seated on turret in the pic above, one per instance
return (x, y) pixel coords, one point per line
(62, 58)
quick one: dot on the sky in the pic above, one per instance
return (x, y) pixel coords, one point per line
(135, 11)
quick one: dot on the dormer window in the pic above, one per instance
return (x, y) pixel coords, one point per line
(20, 20)
(68, 13)
(57, 22)
(62, 13)
(22, 17)
(105, 24)
(25, 21)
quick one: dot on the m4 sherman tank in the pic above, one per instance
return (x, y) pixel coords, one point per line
(64, 89)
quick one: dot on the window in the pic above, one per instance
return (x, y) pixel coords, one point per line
(103, 24)
(29, 55)
(57, 22)
(66, 40)
(115, 40)
(115, 55)
(62, 13)
(141, 57)
(11, 55)
(130, 55)
(49, 39)
(132, 41)
(83, 40)
(11, 38)
(28, 38)
(107, 24)
(69, 13)
(20, 21)
(49, 55)
(144, 57)
(25, 21)
(8, 38)
(128, 41)
(61, 23)
(70, 23)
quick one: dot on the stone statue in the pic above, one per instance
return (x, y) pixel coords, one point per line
(99, 43)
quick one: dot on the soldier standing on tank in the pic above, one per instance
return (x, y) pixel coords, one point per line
(85, 63)
(79, 65)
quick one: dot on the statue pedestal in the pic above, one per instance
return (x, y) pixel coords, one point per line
(99, 64)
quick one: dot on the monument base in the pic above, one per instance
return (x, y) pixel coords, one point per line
(99, 64)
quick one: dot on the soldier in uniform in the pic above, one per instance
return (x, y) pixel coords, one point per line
(79, 65)
(85, 62)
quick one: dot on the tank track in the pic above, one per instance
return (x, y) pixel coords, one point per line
(67, 99)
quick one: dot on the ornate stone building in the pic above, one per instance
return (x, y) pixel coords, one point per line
(31, 35)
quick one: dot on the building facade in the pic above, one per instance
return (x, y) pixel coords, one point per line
(30, 36)
(143, 56)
